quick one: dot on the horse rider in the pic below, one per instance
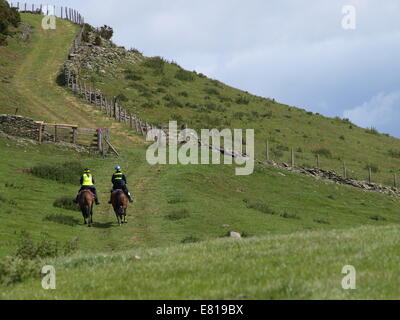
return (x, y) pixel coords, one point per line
(87, 183)
(119, 183)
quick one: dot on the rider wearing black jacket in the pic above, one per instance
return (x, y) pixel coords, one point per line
(119, 183)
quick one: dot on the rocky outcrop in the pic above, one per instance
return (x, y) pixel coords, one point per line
(91, 57)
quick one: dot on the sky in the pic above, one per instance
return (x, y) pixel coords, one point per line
(294, 51)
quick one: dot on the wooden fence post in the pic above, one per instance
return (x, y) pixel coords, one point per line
(318, 163)
(55, 133)
(40, 132)
(115, 109)
(369, 175)
(292, 157)
(100, 140)
(267, 150)
(74, 135)
(136, 125)
(344, 170)
(395, 180)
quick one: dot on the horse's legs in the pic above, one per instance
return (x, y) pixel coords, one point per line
(88, 217)
(84, 215)
(91, 214)
(125, 220)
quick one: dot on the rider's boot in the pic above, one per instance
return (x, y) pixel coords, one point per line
(129, 197)
(96, 201)
(75, 200)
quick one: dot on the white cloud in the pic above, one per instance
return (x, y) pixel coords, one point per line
(382, 112)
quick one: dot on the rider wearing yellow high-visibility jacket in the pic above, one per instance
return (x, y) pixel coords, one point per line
(87, 183)
(118, 180)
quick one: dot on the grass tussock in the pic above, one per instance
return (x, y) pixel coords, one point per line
(190, 239)
(260, 206)
(62, 219)
(66, 203)
(178, 214)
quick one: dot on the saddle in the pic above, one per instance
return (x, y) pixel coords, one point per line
(84, 191)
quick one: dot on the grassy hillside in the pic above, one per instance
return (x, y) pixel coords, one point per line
(290, 221)
(160, 91)
(175, 203)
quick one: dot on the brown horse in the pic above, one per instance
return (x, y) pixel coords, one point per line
(119, 201)
(86, 201)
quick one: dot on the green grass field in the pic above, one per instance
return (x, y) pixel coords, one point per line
(298, 232)
(305, 265)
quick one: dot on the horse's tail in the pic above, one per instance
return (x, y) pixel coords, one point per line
(88, 210)
(119, 203)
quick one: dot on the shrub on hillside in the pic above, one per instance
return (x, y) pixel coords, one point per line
(130, 75)
(134, 50)
(97, 41)
(190, 239)
(14, 270)
(165, 82)
(178, 214)
(66, 203)
(122, 97)
(183, 94)
(323, 152)
(68, 172)
(8, 17)
(242, 100)
(394, 153)
(259, 206)
(155, 63)
(372, 130)
(172, 102)
(211, 91)
(87, 29)
(44, 248)
(184, 75)
(62, 219)
(374, 168)
(106, 32)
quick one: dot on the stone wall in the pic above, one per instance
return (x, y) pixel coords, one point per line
(332, 176)
(20, 127)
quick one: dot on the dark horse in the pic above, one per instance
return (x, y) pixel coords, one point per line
(86, 201)
(119, 201)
